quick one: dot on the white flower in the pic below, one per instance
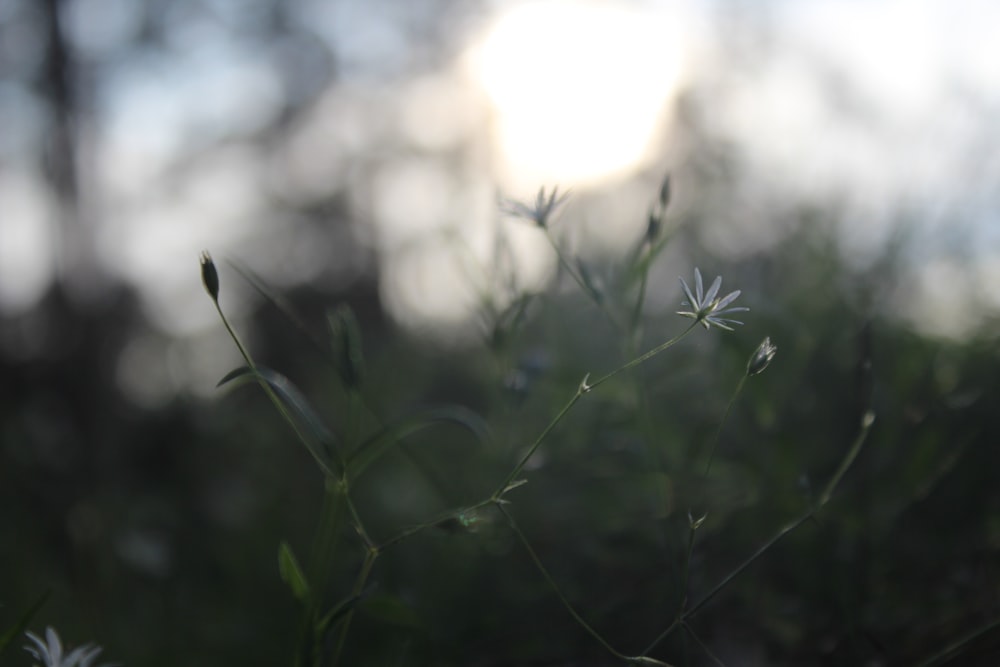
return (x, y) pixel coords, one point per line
(540, 212)
(50, 651)
(706, 307)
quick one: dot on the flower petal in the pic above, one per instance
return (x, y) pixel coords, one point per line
(728, 299)
(55, 646)
(722, 321)
(712, 291)
(734, 309)
(687, 292)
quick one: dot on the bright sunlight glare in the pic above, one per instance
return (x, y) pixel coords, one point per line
(579, 88)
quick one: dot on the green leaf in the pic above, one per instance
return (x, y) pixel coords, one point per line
(345, 341)
(291, 572)
(313, 433)
(18, 628)
(381, 442)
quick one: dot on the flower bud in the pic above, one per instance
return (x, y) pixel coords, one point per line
(345, 338)
(665, 192)
(209, 276)
(658, 210)
(654, 225)
(761, 357)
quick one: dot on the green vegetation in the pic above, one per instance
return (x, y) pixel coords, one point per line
(600, 481)
(618, 471)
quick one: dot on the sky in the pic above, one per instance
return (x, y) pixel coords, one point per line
(885, 107)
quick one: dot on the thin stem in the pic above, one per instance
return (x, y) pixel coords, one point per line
(567, 266)
(748, 562)
(866, 423)
(356, 519)
(413, 530)
(555, 588)
(587, 289)
(644, 357)
(697, 639)
(584, 388)
(687, 563)
(722, 422)
(236, 339)
(663, 635)
(359, 584)
(852, 454)
(327, 533)
(951, 648)
(282, 410)
(538, 441)
(641, 297)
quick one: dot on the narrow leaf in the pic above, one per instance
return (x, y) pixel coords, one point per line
(317, 438)
(345, 341)
(381, 442)
(291, 572)
(18, 628)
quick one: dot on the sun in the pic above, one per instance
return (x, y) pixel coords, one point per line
(579, 89)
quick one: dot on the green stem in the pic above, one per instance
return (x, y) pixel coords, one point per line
(849, 458)
(687, 563)
(538, 441)
(578, 279)
(359, 585)
(697, 639)
(327, 533)
(282, 410)
(663, 635)
(356, 519)
(555, 588)
(641, 298)
(638, 360)
(584, 388)
(722, 422)
(949, 650)
(413, 530)
(866, 424)
(748, 562)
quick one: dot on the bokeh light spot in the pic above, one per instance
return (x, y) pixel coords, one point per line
(579, 88)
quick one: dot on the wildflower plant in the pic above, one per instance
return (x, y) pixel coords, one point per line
(344, 456)
(540, 212)
(706, 307)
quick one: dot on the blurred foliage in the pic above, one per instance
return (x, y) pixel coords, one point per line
(158, 532)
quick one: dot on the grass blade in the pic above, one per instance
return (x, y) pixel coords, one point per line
(381, 442)
(291, 572)
(313, 433)
(18, 628)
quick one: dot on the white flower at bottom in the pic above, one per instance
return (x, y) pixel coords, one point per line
(50, 651)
